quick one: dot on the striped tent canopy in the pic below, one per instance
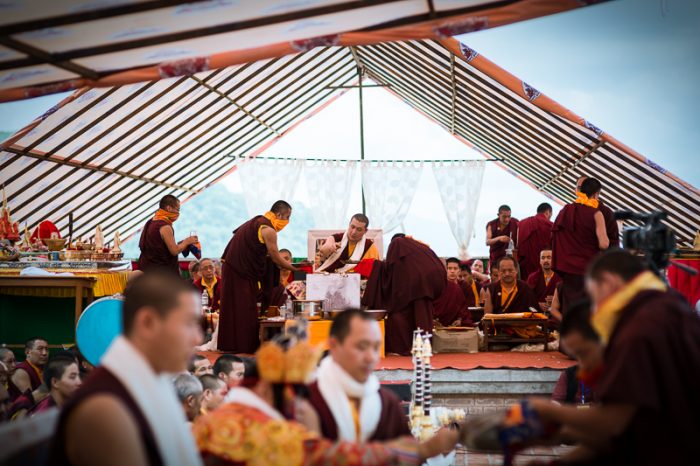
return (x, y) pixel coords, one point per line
(106, 154)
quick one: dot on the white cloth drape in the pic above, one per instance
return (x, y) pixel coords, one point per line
(389, 189)
(459, 184)
(265, 181)
(330, 185)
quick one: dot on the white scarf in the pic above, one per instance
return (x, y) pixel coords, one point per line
(155, 396)
(246, 397)
(336, 387)
(356, 255)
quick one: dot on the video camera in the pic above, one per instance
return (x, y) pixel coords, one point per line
(656, 240)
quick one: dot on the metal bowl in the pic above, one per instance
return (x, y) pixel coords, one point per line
(308, 308)
(330, 315)
(54, 244)
(378, 314)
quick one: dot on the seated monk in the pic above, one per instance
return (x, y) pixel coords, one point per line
(509, 294)
(62, 380)
(351, 246)
(274, 426)
(480, 277)
(28, 373)
(279, 294)
(471, 289)
(544, 282)
(405, 284)
(450, 308)
(209, 282)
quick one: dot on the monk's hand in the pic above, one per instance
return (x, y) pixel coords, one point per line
(191, 240)
(306, 415)
(443, 442)
(545, 408)
(504, 239)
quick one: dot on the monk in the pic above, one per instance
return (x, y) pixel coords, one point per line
(579, 234)
(62, 379)
(544, 282)
(9, 362)
(611, 226)
(500, 232)
(127, 412)
(342, 251)
(347, 396)
(648, 409)
(250, 272)
(469, 286)
(481, 278)
(450, 308)
(509, 294)
(159, 250)
(534, 235)
(28, 374)
(209, 282)
(279, 294)
(405, 284)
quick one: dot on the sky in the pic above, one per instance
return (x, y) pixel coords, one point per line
(629, 66)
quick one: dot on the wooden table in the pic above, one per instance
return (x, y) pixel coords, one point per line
(490, 326)
(266, 325)
(83, 287)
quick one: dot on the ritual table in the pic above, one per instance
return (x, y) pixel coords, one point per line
(319, 330)
(688, 285)
(266, 325)
(491, 328)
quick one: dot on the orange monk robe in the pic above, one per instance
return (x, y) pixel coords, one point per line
(534, 235)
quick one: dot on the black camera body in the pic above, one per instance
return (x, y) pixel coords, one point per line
(656, 240)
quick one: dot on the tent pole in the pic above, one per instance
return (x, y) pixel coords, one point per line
(362, 140)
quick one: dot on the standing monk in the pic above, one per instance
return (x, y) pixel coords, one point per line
(534, 235)
(611, 226)
(579, 235)
(405, 284)
(499, 233)
(544, 282)
(158, 247)
(351, 246)
(250, 271)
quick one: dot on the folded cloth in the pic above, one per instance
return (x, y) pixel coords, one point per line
(38, 272)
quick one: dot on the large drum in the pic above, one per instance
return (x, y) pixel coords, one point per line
(98, 326)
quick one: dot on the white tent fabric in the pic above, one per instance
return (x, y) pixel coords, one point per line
(389, 188)
(459, 184)
(329, 184)
(267, 181)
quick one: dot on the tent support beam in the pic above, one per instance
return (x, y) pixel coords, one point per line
(229, 99)
(597, 145)
(454, 93)
(42, 56)
(360, 75)
(70, 163)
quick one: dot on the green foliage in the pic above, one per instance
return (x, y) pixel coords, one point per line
(216, 212)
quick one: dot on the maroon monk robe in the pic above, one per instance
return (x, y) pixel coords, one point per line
(534, 235)
(345, 255)
(154, 252)
(34, 376)
(405, 284)
(498, 250)
(523, 300)
(248, 276)
(214, 301)
(102, 382)
(536, 281)
(574, 245)
(473, 300)
(652, 361)
(393, 422)
(611, 227)
(451, 305)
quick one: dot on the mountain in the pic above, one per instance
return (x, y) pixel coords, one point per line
(216, 212)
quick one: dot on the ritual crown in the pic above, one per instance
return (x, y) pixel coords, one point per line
(290, 359)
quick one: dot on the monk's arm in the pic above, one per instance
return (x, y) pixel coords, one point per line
(270, 237)
(488, 305)
(554, 308)
(329, 247)
(599, 424)
(102, 432)
(600, 231)
(21, 380)
(168, 235)
(498, 239)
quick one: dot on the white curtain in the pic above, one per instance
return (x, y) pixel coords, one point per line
(330, 186)
(389, 189)
(266, 181)
(459, 184)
